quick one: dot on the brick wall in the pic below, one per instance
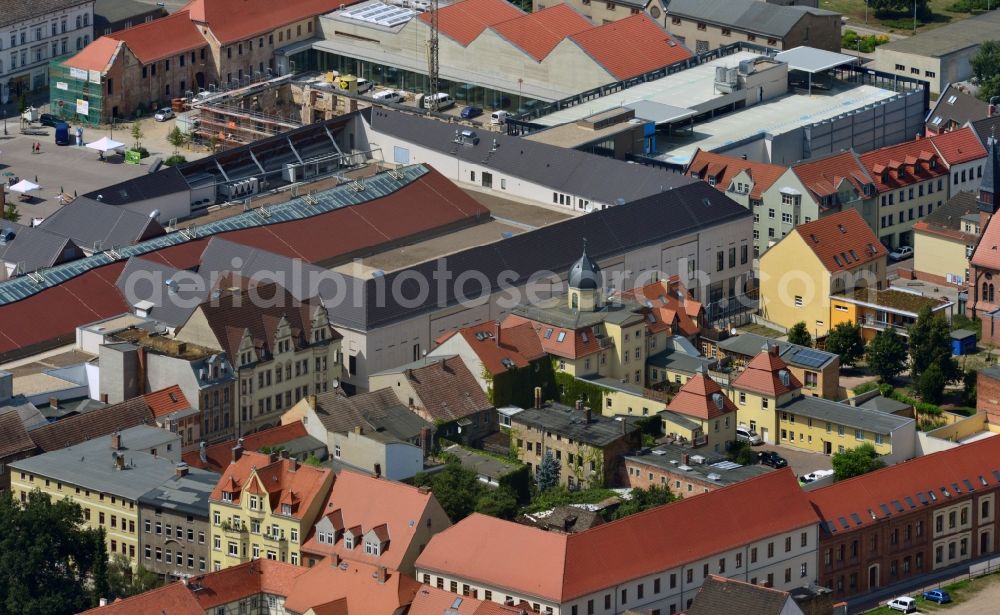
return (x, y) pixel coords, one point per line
(988, 394)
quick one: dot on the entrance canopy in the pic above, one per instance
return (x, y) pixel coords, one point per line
(812, 60)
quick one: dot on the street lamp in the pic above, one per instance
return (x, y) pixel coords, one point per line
(914, 16)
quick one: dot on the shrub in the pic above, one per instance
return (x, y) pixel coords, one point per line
(174, 160)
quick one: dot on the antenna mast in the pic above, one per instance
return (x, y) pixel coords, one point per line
(433, 63)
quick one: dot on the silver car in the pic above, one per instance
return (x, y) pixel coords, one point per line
(164, 114)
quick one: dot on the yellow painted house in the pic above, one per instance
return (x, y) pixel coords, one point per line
(763, 385)
(264, 506)
(944, 240)
(835, 254)
(876, 310)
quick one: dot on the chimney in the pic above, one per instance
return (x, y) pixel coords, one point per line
(425, 440)
(496, 334)
(586, 415)
(538, 397)
(311, 400)
(103, 602)
(203, 451)
(382, 575)
(104, 398)
(273, 457)
(773, 350)
(238, 450)
(181, 470)
(116, 441)
(335, 560)
(182, 347)
(358, 429)
(377, 473)
(54, 403)
(284, 454)
(579, 405)
(684, 458)
(424, 489)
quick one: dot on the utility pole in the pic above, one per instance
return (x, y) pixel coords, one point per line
(433, 62)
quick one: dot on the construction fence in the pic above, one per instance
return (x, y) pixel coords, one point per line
(76, 95)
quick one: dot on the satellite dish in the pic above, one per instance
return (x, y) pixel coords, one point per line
(336, 383)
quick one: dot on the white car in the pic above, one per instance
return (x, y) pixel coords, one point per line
(903, 604)
(744, 434)
(164, 114)
(901, 253)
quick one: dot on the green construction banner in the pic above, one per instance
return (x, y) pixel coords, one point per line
(132, 157)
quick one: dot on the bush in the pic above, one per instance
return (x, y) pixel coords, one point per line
(143, 152)
(969, 388)
(851, 39)
(970, 6)
(174, 160)
(931, 383)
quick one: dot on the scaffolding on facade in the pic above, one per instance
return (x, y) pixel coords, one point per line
(76, 95)
(231, 126)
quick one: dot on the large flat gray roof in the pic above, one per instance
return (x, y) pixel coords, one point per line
(570, 423)
(843, 414)
(185, 495)
(748, 15)
(90, 464)
(950, 38)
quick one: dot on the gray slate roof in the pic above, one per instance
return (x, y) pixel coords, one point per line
(964, 108)
(842, 414)
(885, 404)
(15, 11)
(110, 11)
(668, 457)
(949, 38)
(481, 464)
(86, 221)
(34, 248)
(680, 361)
(721, 596)
(986, 127)
(750, 345)
(746, 15)
(597, 178)
(569, 423)
(378, 410)
(90, 464)
(184, 495)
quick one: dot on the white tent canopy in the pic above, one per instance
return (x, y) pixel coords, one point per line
(105, 144)
(24, 186)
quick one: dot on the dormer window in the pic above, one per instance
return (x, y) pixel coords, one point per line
(711, 180)
(227, 496)
(373, 548)
(253, 502)
(286, 509)
(349, 541)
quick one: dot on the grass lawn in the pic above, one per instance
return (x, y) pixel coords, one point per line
(902, 22)
(760, 330)
(960, 591)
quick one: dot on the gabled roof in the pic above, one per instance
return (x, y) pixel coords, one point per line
(631, 47)
(235, 20)
(958, 146)
(538, 33)
(747, 15)
(166, 401)
(218, 456)
(34, 248)
(563, 567)
(915, 484)
(285, 481)
(98, 55)
(702, 398)
(749, 344)
(430, 600)
(919, 154)
(494, 345)
(394, 510)
(162, 38)
(946, 220)
(378, 410)
(87, 221)
(763, 374)
(671, 306)
(447, 389)
(822, 176)
(465, 20)
(841, 241)
(722, 596)
(101, 422)
(569, 343)
(14, 439)
(724, 168)
(954, 108)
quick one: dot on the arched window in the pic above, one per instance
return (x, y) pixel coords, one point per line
(86, 19)
(79, 46)
(576, 301)
(991, 293)
(79, 21)
(986, 291)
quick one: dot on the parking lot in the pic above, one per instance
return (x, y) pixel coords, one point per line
(800, 461)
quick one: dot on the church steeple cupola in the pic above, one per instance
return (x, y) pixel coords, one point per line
(989, 200)
(584, 283)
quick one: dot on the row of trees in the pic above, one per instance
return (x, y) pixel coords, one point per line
(986, 69)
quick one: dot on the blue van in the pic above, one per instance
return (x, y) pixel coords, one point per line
(62, 133)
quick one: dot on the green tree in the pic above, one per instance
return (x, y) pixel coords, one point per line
(845, 340)
(856, 461)
(742, 453)
(177, 138)
(986, 69)
(456, 489)
(885, 8)
(930, 344)
(548, 472)
(799, 334)
(46, 556)
(137, 134)
(22, 103)
(500, 502)
(644, 499)
(313, 460)
(886, 354)
(124, 582)
(930, 384)
(969, 388)
(11, 213)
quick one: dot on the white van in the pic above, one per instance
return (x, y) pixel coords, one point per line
(903, 604)
(443, 101)
(364, 85)
(388, 96)
(499, 117)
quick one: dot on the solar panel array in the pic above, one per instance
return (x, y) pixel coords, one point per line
(344, 195)
(811, 358)
(380, 14)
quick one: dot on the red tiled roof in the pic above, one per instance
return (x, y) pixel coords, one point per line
(841, 241)
(574, 344)
(632, 46)
(353, 587)
(464, 21)
(219, 455)
(919, 158)
(958, 146)
(175, 599)
(823, 176)
(278, 478)
(563, 567)
(672, 305)
(700, 397)
(13, 437)
(915, 479)
(433, 601)
(762, 375)
(987, 254)
(516, 342)
(94, 424)
(705, 164)
(363, 500)
(538, 33)
(235, 20)
(166, 401)
(98, 55)
(162, 38)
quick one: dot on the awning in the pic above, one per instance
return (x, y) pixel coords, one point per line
(24, 186)
(812, 60)
(105, 144)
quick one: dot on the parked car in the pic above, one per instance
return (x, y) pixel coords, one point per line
(814, 476)
(47, 119)
(389, 96)
(471, 112)
(744, 434)
(901, 253)
(771, 458)
(903, 604)
(164, 114)
(499, 118)
(937, 595)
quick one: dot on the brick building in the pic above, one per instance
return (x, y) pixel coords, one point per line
(908, 520)
(988, 393)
